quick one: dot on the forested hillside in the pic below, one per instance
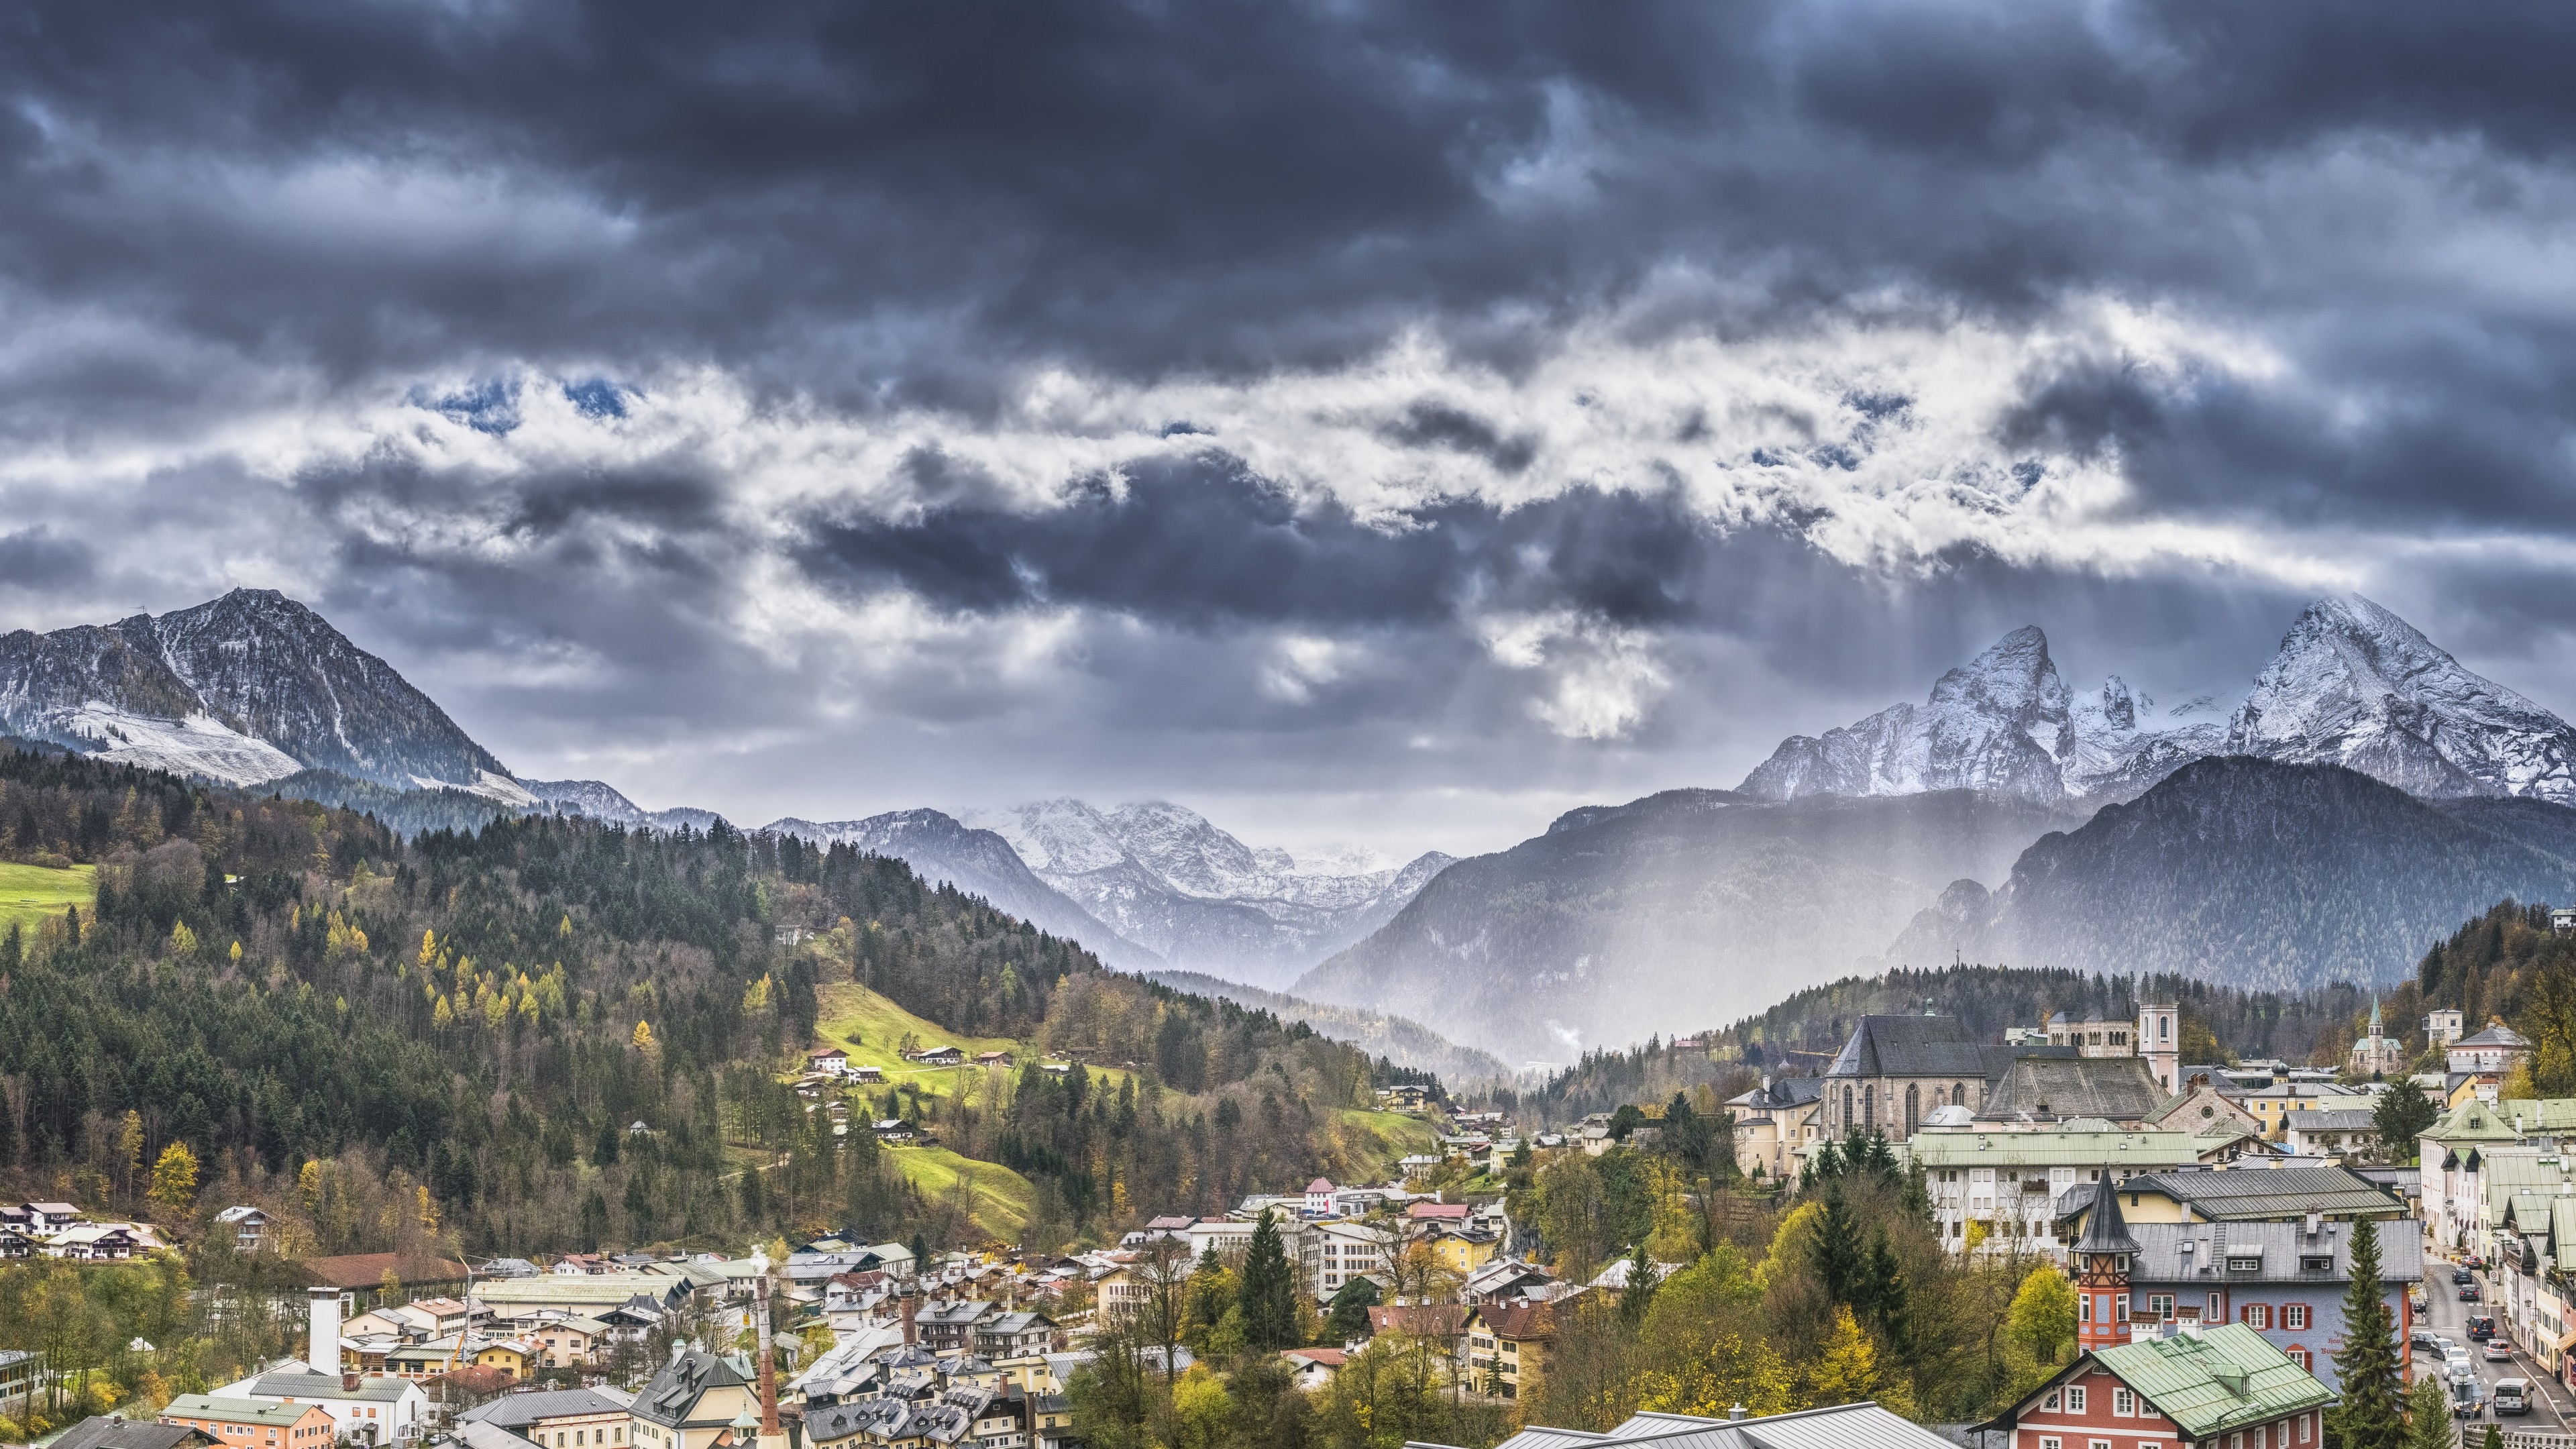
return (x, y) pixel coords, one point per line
(459, 1037)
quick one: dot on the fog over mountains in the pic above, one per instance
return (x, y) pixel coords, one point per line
(2366, 794)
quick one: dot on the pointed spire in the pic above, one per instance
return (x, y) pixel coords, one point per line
(2374, 1018)
(2105, 1231)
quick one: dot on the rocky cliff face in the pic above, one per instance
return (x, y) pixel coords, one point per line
(246, 688)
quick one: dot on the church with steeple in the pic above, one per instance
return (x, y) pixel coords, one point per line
(2378, 1053)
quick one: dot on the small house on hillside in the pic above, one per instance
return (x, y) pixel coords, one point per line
(942, 1056)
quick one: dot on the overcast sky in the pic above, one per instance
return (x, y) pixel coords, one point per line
(1380, 423)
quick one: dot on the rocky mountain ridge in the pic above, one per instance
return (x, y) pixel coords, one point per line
(2351, 684)
(243, 689)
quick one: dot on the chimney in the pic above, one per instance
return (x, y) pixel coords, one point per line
(911, 1305)
(2316, 1223)
(769, 1431)
(322, 1349)
(1735, 1413)
(348, 1383)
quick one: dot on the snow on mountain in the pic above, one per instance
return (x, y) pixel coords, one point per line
(601, 801)
(2352, 684)
(196, 689)
(2355, 685)
(1164, 878)
(194, 744)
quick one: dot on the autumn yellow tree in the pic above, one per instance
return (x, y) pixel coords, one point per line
(174, 1179)
(129, 1150)
(1849, 1372)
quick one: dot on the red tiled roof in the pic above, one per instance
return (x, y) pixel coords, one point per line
(1457, 1210)
(1429, 1320)
(1519, 1322)
(1328, 1357)
(366, 1270)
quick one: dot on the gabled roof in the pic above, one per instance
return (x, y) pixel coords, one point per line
(377, 1389)
(108, 1432)
(366, 1270)
(511, 1411)
(2226, 1377)
(1909, 1046)
(2120, 1089)
(1840, 1426)
(2473, 1121)
(2496, 1034)
(676, 1390)
(237, 1411)
(1520, 1322)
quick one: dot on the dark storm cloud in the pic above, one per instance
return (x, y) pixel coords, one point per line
(232, 229)
(1207, 545)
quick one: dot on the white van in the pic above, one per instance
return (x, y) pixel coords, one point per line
(2512, 1396)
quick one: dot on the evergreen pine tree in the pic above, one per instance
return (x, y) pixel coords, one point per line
(2371, 1415)
(1887, 1294)
(2428, 1412)
(1269, 1292)
(1838, 1260)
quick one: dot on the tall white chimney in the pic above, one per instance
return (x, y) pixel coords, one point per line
(323, 1352)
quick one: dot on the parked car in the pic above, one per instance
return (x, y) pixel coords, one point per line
(2499, 1351)
(2423, 1337)
(2469, 1293)
(2512, 1396)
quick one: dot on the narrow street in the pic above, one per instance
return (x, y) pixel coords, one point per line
(2446, 1314)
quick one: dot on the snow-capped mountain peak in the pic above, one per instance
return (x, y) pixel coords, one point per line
(2354, 684)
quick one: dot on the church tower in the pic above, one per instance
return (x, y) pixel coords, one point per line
(2102, 1259)
(2160, 1042)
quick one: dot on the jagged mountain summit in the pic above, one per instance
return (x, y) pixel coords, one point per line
(2355, 685)
(243, 689)
(1164, 878)
(2352, 684)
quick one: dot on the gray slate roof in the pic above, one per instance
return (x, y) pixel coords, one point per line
(378, 1389)
(2342, 1120)
(675, 1390)
(108, 1432)
(1909, 1046)
(2282, 1247)
(2117, 1088)
(2245, 1194)
(513, 1411)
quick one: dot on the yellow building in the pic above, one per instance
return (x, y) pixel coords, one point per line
(511, 1356)
(1507, 1346)
(1463, 1252)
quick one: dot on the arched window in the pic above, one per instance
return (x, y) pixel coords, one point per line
(1847, 1106)
(1869, 1105)
(1958, 1094)
(1913, 1107)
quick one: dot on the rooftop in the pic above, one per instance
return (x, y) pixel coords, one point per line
(2258, 1193)
(2222, 1378)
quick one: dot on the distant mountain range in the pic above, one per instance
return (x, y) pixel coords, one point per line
(1147, 886)
(2365, 795)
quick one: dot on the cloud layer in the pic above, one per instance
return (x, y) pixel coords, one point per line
(1296, 407)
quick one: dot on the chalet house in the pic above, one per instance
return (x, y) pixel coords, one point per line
(94, 1243)
(249, 1227)
(942, 1056)
(827, 1061)
(14, 1243)
(867, 1072)
(2217, 1386)
(1314, 1367)
(1014, 1335)
(1506, 1280)
(950, 1327)
(1404, 1097)
(893, 1130)
(46, 1218)
(992, 1059)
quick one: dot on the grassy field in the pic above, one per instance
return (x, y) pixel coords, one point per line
(1376, 1141)
(30, 894)
(871, 1028)
(1002, 1197)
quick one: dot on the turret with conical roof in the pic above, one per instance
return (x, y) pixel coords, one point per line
(2102, 1258)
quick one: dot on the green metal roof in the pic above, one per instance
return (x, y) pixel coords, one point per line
(2226, 1378)
(2476, 1122)
(2546, 1114)
(236, 1411)
(2055, 1149)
